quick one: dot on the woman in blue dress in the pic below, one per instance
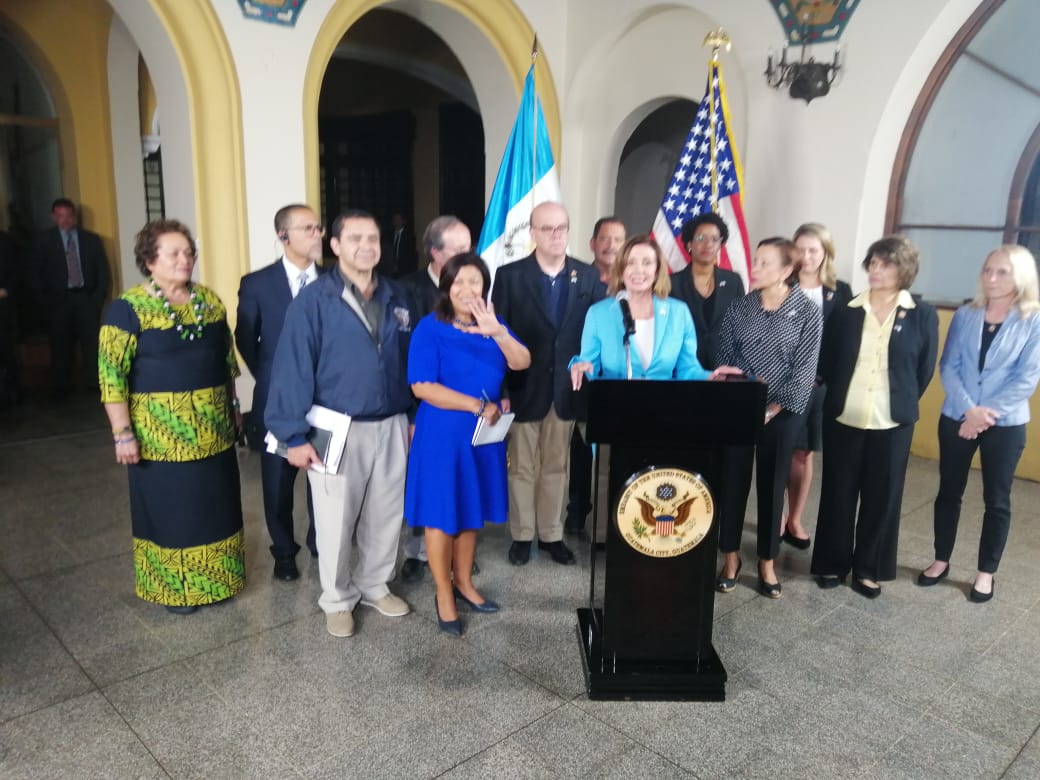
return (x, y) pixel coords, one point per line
(458, 357)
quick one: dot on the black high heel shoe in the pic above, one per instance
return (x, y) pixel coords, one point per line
(727, 584)
(772, 590)
(487, 606)
(453, 627)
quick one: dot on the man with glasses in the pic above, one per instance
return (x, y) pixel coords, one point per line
(263, 298)
(543, 298)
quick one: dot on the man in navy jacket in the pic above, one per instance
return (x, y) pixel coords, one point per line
(344, 346)
(263, 298)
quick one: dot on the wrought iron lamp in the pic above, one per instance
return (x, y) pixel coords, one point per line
(805, 78)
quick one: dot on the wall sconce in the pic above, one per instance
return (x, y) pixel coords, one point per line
(806, 79)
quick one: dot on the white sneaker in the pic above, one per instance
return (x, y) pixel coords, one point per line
(390, 605)
(340, 623)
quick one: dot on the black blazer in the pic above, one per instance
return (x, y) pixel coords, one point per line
(52, 272)
(728, 287)
(519, 301)
(835, 299)
(912, 350)
(263, 297)
(423, 291)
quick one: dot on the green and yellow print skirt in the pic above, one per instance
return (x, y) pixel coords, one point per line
(187, 522)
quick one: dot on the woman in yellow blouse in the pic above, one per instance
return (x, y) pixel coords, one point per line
(878, 357)
(166, 365)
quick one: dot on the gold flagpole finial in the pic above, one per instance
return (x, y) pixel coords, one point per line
(717, 39)
(534, 49)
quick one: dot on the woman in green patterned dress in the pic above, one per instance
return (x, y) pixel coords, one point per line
(167, 366)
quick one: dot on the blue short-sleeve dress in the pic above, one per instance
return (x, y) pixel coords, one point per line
(452, 485)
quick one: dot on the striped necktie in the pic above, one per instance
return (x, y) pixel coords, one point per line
(72, 263)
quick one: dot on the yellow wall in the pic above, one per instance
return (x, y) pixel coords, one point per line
(925, 437)
(148, 101)
(68, 44)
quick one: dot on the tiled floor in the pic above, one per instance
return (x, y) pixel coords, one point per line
(95, 683)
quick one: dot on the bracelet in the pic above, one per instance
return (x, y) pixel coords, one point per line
(483, 406)
(127, 440)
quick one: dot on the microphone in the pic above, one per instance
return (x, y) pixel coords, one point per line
(626, 315)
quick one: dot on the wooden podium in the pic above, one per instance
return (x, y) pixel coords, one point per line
(650, 636)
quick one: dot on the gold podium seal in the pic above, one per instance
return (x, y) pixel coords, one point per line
(665, 512)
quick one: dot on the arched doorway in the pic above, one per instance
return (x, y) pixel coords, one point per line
(400, 131)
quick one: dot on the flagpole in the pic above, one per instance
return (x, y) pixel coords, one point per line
(534, 121)
(716, 39)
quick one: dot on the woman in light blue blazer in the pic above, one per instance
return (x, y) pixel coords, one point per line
(662, 340)
(989, 368)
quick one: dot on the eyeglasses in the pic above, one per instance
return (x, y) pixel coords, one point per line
(554, 231)
(310, 230)
(708, 239)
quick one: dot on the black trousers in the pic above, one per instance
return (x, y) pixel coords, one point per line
(277, 476)
(867, 468)
(579, 497)
(1000, 448)
(772, 459)
(72, 318)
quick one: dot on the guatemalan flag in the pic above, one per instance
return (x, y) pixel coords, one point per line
(526, 178)
(689, 191)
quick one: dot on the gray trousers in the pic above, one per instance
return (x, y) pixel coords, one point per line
(364, 501)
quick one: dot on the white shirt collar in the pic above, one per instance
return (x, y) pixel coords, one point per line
(292, 273)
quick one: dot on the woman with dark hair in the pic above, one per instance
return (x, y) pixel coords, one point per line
(815, 277)
(989, 368)
(167, 366)
(456, 362)
(877, 361)
(773, 335)
(704, 287)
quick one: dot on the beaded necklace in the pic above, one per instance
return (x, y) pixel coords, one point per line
(193, 331)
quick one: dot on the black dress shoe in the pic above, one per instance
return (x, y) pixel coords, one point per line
(828, 581)
(574, 526)
(487, 606)
(727, 584)
(452, 627)
(285, 569)
(978, 597)
(867, 591)
(797, 542)
(412, 570)
(925, 581)
(519, 553)
(559, 552)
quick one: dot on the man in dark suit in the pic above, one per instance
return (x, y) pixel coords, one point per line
(399, 255)
(263, 298)
(543, 298)
(445, 237)
(71, 278)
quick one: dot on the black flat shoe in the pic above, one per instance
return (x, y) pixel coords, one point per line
(285, 569)
(828, 581)
(867, 591)
(925, 581)
(727, 584)
(559, 552)
(796, 541)
(977, 597)
(487, 606)
(519, 553)
(181, 610)
(412, 570)
(453, 627)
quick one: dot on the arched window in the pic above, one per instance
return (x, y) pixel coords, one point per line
(966, 177)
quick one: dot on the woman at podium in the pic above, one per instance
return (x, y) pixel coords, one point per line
(773, 335)
(877, 361)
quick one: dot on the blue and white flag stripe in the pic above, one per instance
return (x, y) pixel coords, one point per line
(506, 236)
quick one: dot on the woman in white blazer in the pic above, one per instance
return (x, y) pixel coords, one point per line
(989, 368)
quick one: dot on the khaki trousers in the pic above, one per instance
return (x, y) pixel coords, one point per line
(364, 501)
(539, 458)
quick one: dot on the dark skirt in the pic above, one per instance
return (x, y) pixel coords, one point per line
(187, 526)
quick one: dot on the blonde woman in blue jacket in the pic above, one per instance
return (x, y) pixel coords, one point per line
(662, 340)
(989, 368)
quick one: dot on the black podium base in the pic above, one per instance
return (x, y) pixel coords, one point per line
(700, 680)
